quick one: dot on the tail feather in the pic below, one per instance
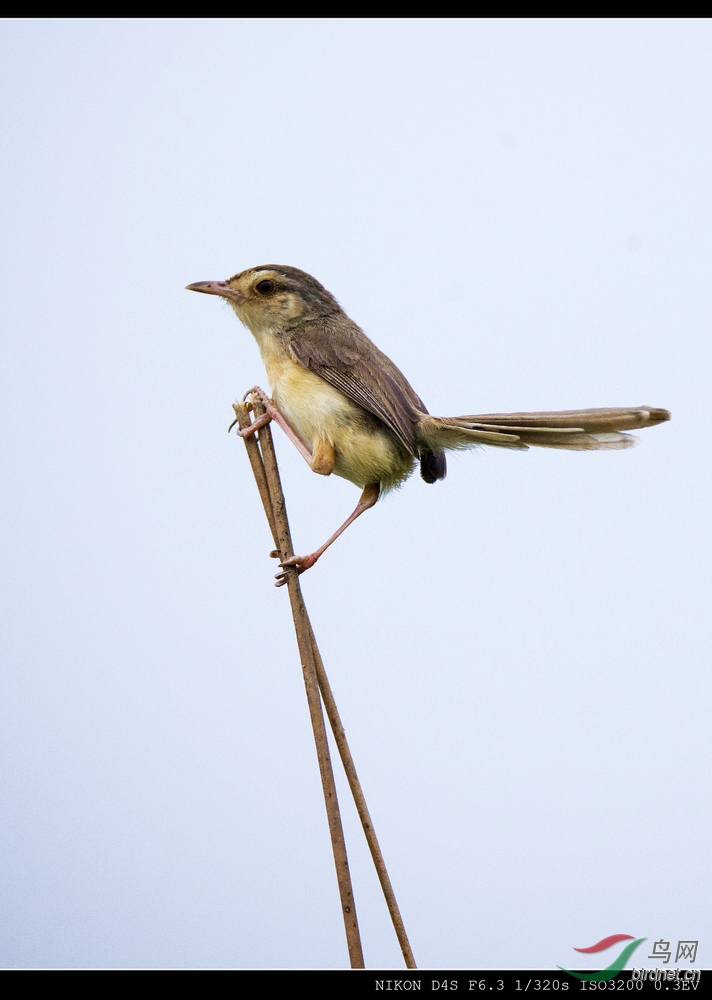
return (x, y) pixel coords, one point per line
(574, 430)
(617, 418)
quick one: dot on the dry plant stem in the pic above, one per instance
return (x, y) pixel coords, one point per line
(332, 712)
(258, 469)
(280, 526)
(361, 807)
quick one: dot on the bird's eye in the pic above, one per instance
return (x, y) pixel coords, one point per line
(265, 287)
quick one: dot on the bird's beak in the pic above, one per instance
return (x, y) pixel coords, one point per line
(216, 288)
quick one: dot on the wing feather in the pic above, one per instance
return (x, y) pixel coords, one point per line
(351, 363)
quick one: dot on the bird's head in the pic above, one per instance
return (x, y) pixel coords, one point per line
(272, 297)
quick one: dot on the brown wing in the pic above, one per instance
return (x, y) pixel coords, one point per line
(340, 353)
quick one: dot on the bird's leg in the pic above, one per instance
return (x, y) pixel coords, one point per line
(368, 499)
(272, 413)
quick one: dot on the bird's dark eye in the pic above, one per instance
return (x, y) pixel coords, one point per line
(265, 287)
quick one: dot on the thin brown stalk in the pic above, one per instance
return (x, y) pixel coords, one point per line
(303, 631)
(258, 469)
(273, 516)
(361, 807)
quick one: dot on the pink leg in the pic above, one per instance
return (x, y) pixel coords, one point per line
(272, 413)
(368, 499)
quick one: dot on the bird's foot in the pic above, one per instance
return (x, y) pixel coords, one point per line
(271, 412)
(302, 564)
(261, 395)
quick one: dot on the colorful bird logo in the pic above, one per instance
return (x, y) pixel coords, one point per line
(615, 967)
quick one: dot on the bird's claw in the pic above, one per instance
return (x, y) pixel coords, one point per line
(300, 563)
(282, 577)
(260, 393)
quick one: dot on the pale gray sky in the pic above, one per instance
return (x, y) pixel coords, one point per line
(518, 213)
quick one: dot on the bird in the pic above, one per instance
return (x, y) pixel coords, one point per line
(350, 411)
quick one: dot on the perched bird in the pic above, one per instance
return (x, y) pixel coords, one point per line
(350, 411)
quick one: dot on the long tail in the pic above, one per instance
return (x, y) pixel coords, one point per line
(576, 430)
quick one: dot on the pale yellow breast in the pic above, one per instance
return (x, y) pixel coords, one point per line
(312, 407)
(365, 452)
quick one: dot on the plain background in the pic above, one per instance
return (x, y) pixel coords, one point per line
(518, 213)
